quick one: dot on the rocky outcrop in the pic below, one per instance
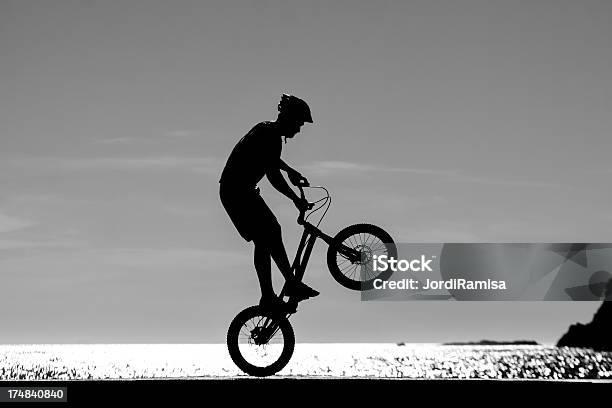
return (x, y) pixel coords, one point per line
(494, 343)
(597, 334)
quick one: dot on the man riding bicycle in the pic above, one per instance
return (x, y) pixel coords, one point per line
(256, 155)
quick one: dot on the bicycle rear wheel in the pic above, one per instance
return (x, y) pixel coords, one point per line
(259, 342)
(367, 239)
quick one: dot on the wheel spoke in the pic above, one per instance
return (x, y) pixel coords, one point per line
(350, 240)
(354, 270)
(381, 245)
(373, 238)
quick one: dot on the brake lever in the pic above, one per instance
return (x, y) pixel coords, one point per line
(310, 206)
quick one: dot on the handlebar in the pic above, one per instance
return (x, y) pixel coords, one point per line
(301, 218)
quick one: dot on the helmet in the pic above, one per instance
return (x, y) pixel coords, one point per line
(294, 107)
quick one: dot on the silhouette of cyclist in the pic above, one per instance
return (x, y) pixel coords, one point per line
(256, 155)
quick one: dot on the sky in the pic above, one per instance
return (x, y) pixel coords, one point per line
(441, 121)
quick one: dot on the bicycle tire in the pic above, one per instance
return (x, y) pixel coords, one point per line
(347, 234)
(233, 342)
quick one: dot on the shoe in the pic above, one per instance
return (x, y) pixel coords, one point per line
(300, 290)
(274, 304)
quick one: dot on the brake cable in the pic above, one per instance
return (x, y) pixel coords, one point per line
(326, 201)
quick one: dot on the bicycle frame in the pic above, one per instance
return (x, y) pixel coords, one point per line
(309, 236)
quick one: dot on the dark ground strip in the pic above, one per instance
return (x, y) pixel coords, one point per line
(314, 391)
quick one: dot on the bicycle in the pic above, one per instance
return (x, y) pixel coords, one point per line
(261, 342)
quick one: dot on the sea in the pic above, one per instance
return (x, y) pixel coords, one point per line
(338, 360)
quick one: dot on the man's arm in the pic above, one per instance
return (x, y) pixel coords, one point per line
(284, 166)
(278, 182)
(294, 176)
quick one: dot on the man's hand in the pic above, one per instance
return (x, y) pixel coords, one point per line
(296, 178)
(302, 204)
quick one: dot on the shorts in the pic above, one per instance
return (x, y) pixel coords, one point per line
(249, 212)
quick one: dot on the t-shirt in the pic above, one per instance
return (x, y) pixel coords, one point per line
(252, 157)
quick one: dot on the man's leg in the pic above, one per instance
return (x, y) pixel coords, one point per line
(264, 268)
(277, 250)
(279, 254)
(268, 230)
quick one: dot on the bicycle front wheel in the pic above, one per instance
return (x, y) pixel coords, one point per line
(368, 240)
(260, 343)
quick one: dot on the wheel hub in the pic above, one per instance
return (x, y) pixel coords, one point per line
(366, 254)
(257, 336)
